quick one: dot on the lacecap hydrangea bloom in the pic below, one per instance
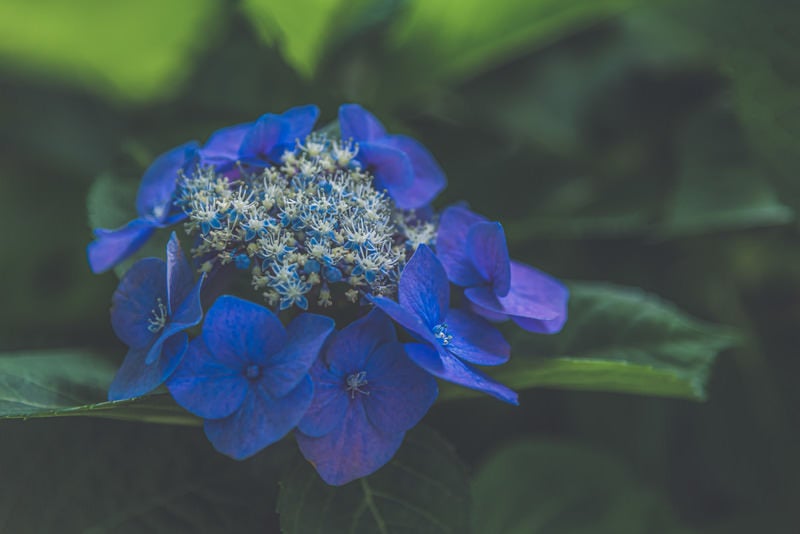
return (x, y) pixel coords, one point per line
(331, 242)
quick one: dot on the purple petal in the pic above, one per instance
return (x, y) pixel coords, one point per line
(536, 301)
(271, 134)
(424, 288)
(353, 450)
(348, 349)
(136, 378)
(400, 393)
(451, 249)
(154, 199)
(359, 124)
(260, 421)
(329, 404)
(237, 330)
(407, 319)
(429, 179)
(306, 335)
(180, 276)
(190, 311)
(135, 299)
(111, 247)
(300, 122)
(475, 340)
(205, 386)
(392, 168)
(486, 246)
(448, 367)
(222, 148)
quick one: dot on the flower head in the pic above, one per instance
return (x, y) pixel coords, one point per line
(401, 165)
(247, 375)
(452, 339)
(367, 394)
(152, 307)
(474, 254)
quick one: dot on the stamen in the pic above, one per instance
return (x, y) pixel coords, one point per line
(158, 317)
(355, 382)
(440, 333)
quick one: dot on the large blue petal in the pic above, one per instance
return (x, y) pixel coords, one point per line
(154, 199)
(180, 276)
(205, 386)
(475, 340)
(424, 288)
(429, 179)
(405, 318)
(329, 404)
(261, 139)
(486, 246)
(448, 367)
(400, 393)
(359, 124)
(238, 330)
(391, 167)
(222, 148)
(136, 378)
(135, 299)
(451, 239)
(189, 314)
(353, 450)
(111, 247)
(306, 335)
(260, 421)
(347, 350)
(300, 122)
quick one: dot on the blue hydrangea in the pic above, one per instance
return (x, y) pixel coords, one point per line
(367, 394)
(247, 375)
(155, 303)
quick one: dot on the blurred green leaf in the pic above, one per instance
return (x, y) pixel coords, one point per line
(616, 339)
(423, 489)
(127, 50)
(74, 383)
(538, 486)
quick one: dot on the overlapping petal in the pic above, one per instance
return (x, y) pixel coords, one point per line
(111, 247)
(136, 377)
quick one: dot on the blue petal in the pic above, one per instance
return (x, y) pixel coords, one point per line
(353, 450)
(189, 314)
(475, 340)
(111, 247)
(429, 179)
(392, 168)
(451, 239)
(424, 288)
(306, 335)
(536, 301)
(486, 246)
(405, 318)
(300, 122)
(222, 148)
(329, 404)
(239, 330)
(448, 367)
(271, 134)
(260, 421)
(205, 386)
(180, 276)
(400, 393)
(154, 199)
(348, 349)
(136, 378)
(359, 124)
(135, 299)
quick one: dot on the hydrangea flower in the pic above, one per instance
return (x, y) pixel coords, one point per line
(452, 339)
(154, 204)
(401, 164)
(247, 375)
(367, 394)
(152, 307)
(474, 254)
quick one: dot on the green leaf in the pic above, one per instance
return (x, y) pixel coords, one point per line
(617, 339)
(537, 486)
(133, 51)
(74, 383)
(423, 489)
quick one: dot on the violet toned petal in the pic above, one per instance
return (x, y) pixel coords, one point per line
(154, 199)
(392, 168)
(405, 318)
(306, 335)
(190, 312)
(111, 247)
(329, 403)
(352, 450)
(447, 367)
(260, 421)
(239, 330)
(475, 340)
(222, 148)
(486, 246)
(205, 386)
(136, 378)
(300, 122)
(429, 179)
(135, 299)
(180, 276)
(261, 139)
(424, 288)
(358, 124)
(348, 349)
(400, 392)
(451, 239)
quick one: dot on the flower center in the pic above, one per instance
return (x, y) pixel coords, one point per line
(440, 333)
(253, 371)
(158, 317)
(356, 382)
